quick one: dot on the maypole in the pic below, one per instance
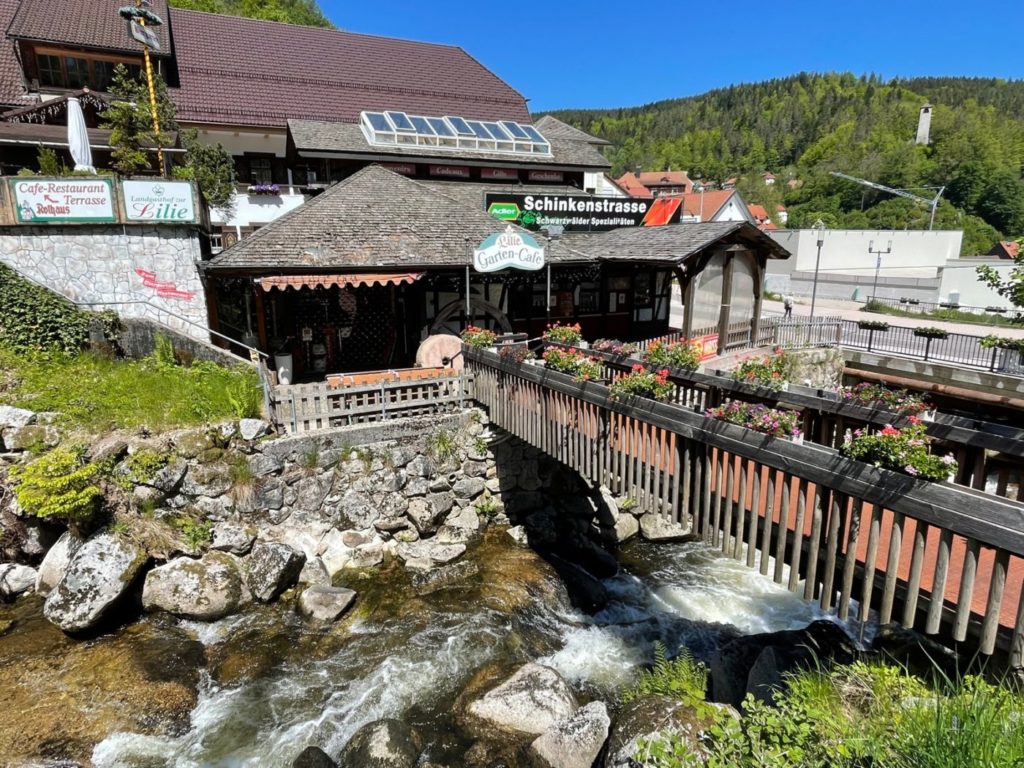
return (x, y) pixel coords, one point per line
(137, 17)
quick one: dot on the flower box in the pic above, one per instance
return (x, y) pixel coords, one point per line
(900, 450)
(774, 422)
(264, 189)
(873, 325)
(931, 333)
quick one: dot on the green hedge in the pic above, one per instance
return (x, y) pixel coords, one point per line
(35, 319)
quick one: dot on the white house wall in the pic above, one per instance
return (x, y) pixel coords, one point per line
(961, 277)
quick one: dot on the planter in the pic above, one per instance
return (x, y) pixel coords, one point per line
(798, 439)
(583, 344)
(951, 477)
(929, 415)
(285, 368)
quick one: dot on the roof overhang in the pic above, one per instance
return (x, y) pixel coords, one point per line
(297, 282)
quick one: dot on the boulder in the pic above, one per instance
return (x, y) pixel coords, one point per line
(423, 555)
(101, 571)
(443, 577)
(518, 534)
(210, 480)
(52, 569)
(313, 757)
(38, 536)
(205, 589)
(381, 744)
(420, 466)
(357, 510)
(642, 719)
(325, 603)
(626, 527)
(31, 436)
(314, 573)
(272, 568)
(914, 652)
(310, 492)
(251, 429)
(110, 448)
(468, 488)
(261, 464)
(334, 552)
(191, 443)
(415, 486)
(233, 538)
(168, 479)
(16, 579)
(368, 555)
(656, 527)
(269, 494)
(532, 701)
(576, 741)
(15, 417)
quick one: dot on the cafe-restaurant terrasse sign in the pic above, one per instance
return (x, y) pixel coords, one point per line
(162, 201)
(508, 249)
(44, 201)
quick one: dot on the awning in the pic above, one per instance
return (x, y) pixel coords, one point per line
(282, 282)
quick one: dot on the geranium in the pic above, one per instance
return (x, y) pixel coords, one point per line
(760, 418)
(870, 395)
(902, 450)
(564, 334)
(515, 353)
(771, 371)
(572, 362)
(681, 354)
(613, 347)
(478, 337)
(643, 383)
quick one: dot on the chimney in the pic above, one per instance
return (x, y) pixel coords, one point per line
(637, 169)
(924, 124)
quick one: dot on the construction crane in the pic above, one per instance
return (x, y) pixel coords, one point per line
(933, 203)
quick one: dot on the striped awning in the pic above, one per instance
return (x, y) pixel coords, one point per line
(283, 282)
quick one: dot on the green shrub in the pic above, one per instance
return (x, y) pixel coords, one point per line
(197, 533)
(245, 398)
(140, 467)
(443, 446)
(681, 678)
(163, 351)
(58, 485)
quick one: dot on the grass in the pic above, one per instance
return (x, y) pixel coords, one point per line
(94, 393)
(949, 315)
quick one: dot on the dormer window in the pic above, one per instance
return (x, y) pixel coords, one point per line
(57, 68)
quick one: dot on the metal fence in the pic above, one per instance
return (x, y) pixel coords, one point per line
(907, 304)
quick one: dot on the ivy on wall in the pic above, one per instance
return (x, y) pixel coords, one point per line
(35, 319)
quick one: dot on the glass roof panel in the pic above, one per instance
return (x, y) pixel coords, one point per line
(377, 121)
(461, 126)
(441, 128)
(497, 131)
(533, 133)
(402, 122)
(514, 129)
(422, 126)
(478, 129)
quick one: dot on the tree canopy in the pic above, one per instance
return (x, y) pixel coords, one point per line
(304, 12)
(805, 126)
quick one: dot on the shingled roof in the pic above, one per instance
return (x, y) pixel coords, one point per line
(375, 219)
(12, 85)
(552, 126)
(260, 73)
(82, 23)
(348, 139)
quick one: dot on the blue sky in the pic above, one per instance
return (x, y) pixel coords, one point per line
(611, 54)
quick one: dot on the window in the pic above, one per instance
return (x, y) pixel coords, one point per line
(103, 74)
(77, 72)
(260, 170)
(50, 71)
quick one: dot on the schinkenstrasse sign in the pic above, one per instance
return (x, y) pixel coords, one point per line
(576, 213)
(42, 201)
(508, 249)
(167, 202)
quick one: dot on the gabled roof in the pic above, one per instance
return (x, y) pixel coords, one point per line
(1005, 249)
(552, 126)
(668, 178)
(261, 73)
(83, 23)
(632, 186)
(758, 211)
(674, 243)
(704, 205)
(12, 85)
(348, 139)
(374, 219)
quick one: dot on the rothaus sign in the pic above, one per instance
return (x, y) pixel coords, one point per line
(580, 213)
(508, 249)
(44, 201)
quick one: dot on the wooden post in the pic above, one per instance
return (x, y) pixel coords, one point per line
(724, 311)
(261, 317)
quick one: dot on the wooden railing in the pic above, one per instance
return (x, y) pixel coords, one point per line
(773, 331)
(943, 559)
(987, 454)
(370, 396)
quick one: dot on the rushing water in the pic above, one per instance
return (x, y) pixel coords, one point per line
(412, 663)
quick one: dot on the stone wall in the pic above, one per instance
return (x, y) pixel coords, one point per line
(143, 272)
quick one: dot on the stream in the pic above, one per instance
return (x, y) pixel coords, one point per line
(274, 684)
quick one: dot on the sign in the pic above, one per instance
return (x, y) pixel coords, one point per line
(407, 169)
(550, 176)
(144, 35)
(44, 201)
(168, 202)
(576, 213)
(499, 174)
(451, 171)
(508, 249)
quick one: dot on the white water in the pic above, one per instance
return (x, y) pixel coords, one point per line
(690, 596)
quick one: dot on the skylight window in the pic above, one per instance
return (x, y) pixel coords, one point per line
(453, 133)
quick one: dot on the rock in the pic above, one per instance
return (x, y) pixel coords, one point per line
(518, 535)
(190, 443)
(261, 464)
(37, 537)
(401, 455)
(416, 486)
(532, 701)
(210, 480)
(468, 488)
(641, 719)
(607, 506)
(589, 556)
(16, 579)
(420, 466)
(233, 538)
(52, 569)
(742, 665)
(914, 652)
(269, 494)
(31, 436)
(474, 468)
(250, 429)
(576, 741)
(272, 568)
(381, 744)
(314, 573)
(110, 448)
(169, 478)
(313, 757)
(368, 555)
(334, 552)
(427, 513)
(626, 527)
(446, 576)
(311, 492)
(325, 603)
(100, 572)
(423, 555)
(586, 591)
(655, 527)
(205, 589)
(15, 417)
(357, 510)
(439, 485)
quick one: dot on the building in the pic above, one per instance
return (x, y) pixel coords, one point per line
(1005, 249)
(629, 182)
(666, 182)
(768, 177)
(716, 205)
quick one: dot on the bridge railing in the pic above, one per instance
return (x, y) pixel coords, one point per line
(940, 558)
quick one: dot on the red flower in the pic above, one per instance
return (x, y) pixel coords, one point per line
(889, 431)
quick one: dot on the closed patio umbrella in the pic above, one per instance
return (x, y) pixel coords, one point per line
(78, 137)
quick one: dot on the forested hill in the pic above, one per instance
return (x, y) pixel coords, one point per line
(304, 12)
(803, 126)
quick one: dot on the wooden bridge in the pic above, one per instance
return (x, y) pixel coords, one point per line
(942, 558)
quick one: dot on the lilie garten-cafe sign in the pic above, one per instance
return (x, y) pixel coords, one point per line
(508, 250)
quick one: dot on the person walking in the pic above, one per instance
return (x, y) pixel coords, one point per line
(787, 306)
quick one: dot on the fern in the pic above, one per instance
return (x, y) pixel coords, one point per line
(682, 678)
